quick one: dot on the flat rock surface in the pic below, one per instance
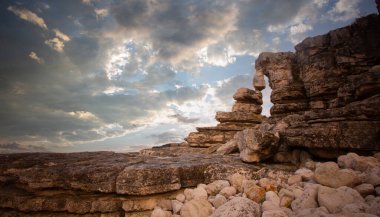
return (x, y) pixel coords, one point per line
(119, 173)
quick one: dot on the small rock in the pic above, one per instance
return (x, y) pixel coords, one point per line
(196, 208)
(365, 189)
(274, 213)
(374, 207)
(236, 181)
(355, 207)
(358, 163)
(369, 198)
(228, 148)
(188, 194)
(199, 193)
(165, 204)
(272, 197)
(254, 192)
(282, 157)
(377, 190)
(216, 186)
(269, 205)
(228, 191)
(330, 175)
(218, 200)
(310, 164)
(201, 186)
(158, 212)
(294, 179)
(335, 199)
(308, 199)
(306, 174)
(286, 198)
(176, 205)
(181, 198)
(296, 156)
(304, 157)
(377, 156)
(313, 212)
(268, 184)
(372, 178)
(238, 207)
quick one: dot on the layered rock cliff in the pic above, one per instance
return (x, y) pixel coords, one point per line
(332, 83)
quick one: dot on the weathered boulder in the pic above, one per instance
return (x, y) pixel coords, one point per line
(257, 144)
(238, 207)
(335, 199)
(196, 208)
(248, 95)
(329, 174)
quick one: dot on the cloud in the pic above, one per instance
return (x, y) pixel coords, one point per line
(167, 137)
(344, 10)
(18, 148)
(29, 16)
(35, 57)
(182, 119)
(101, 12)
(58, 43)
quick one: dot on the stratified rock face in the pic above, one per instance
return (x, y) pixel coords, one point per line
(333, 83)
(256, 145)
(99, 184)
(246, 113)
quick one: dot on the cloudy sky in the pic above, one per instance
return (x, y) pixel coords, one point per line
(120, 75)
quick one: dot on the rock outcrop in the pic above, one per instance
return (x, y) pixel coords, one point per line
(331, 87)
(111, 184)
(246, 113)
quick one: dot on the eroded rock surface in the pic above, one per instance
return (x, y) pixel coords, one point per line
(332, 82)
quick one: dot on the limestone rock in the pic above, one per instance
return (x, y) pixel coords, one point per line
(254, 192)
(248, 95)
(176, 206)
(306, 174)
(307, 200)
(274, 213)
(329, 174)
(246, 107)
(216, 186)
(365, 189)
(256, 145)
(238, 207)
(196, 208)
(228, 148)
(239, 116)
(228, 191)
(160, 213)
(237, 180)
(218, 200)
(294, 179)
(335, 199)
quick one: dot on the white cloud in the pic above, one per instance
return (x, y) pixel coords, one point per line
(35, 57)
(28, 16)
(300, 28)
(344, 10)
(101, 13)
(62, 36)
(58, 43)
(55, 44)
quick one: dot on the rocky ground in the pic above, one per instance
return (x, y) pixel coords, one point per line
(350, 187)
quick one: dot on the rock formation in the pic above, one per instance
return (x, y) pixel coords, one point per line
(246, 113)
(107, 184)
(326, 95)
